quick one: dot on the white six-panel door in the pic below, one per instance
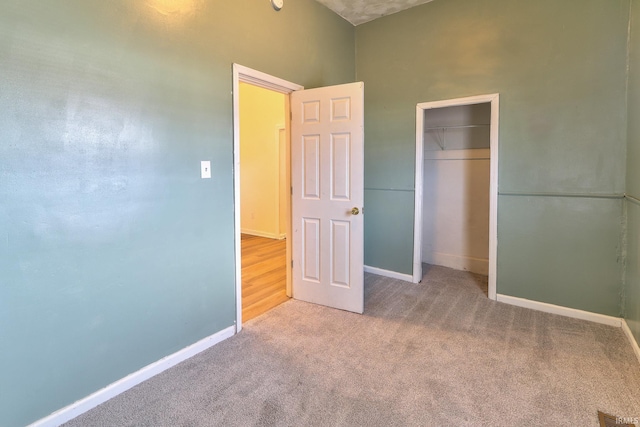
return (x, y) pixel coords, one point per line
(327, 179)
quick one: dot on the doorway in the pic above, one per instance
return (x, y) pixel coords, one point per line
(263, 212)
(282, 228)
(456, 186)
(325, 175)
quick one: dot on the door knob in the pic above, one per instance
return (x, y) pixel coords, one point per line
(355, 211)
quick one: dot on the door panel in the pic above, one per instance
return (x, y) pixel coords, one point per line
(311, 166)
(311, 248)
(327, 182)
(340, 243)
(340, 162)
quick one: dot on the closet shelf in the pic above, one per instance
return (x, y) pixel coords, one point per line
(455, 127)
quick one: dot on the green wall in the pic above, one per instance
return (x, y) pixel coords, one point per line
(632, 291)
(560, 69)
(113, 252)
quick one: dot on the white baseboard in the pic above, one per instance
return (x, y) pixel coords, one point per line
(81, 406)
(457, 262)
(263, 234)
(562, 311)
(388, 273)
(632, 339)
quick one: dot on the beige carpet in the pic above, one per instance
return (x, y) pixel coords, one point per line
(438, 353)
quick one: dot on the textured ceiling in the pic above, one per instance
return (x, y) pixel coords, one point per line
(361, 11)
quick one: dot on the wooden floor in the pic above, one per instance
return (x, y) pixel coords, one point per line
(264, 275)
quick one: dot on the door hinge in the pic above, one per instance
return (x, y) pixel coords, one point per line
(290, 115)
(292, 190)
(291, 263)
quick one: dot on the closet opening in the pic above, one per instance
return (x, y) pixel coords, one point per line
(456, 187)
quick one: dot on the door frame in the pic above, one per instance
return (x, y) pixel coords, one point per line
(266, 81)
(494, 100)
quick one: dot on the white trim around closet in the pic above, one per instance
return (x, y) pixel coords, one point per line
(494, 99)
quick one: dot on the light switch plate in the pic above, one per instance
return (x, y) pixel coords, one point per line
(205, 169)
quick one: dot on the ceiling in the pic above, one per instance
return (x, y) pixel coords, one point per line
(361, 11)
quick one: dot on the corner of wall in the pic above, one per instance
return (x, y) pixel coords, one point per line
(631, 274)
(622, 257)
